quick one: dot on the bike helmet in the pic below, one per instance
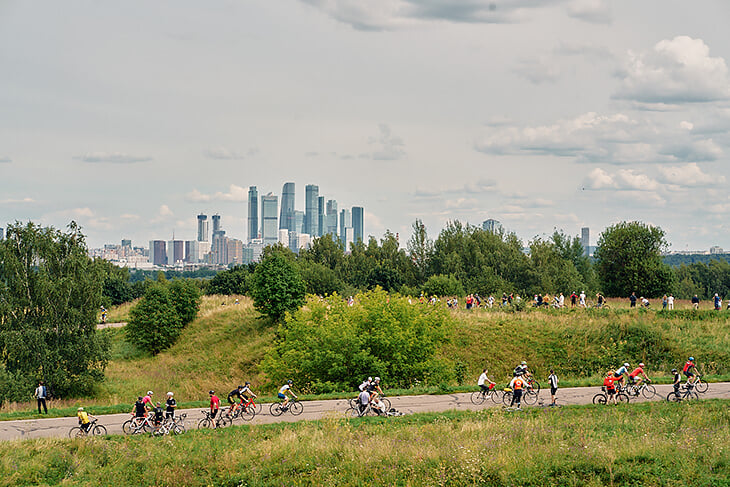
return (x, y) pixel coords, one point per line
(80, 409)
(150, 393)
(370, 379)
(377, 379)
(626, 364)
(674, 371)
(524, 362)
(290, 381)
(247, 383)
(211, 391)
(169, 393)
(641, 364)
(691, 359)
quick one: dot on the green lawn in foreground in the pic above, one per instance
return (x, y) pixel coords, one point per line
(649, 444)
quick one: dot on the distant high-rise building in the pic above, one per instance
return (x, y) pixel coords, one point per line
(284, 237)
(287, 219)
(311, 208)
(125, 242)
(585, 239)
(269, 211)
(175, 251)
(158, 256)
(358, 219)
(216, 223)
(235, 251)
(257, 247)
(491, 225)
(253, 213)
(331, 226)
(348, 238)
(321, 217)
(202, 228)
(2, 234)
(299, 217)
(345, 223)
(219, 248)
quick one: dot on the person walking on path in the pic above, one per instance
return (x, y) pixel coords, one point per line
(553, 380)
(41, 394)
(695, 302)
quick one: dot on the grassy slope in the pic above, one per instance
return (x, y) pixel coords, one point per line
(650, 444)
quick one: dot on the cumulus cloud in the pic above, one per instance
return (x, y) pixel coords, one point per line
(614, 139)
(235, 193)
(377, 15)
(112, 157)
(623, 179)
(689, 175)
(388, 147)
(593, 11)
(676, 71)
(5, 159)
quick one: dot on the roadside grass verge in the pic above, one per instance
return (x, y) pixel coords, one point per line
(648, 444)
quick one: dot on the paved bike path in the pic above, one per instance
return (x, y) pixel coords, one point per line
(59, 427)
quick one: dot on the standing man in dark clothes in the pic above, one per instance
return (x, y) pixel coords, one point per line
(695, 302)
(632, 298)
(40, 394)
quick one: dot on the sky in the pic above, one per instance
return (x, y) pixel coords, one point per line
(132, 117)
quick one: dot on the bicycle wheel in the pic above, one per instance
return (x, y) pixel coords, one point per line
(275, 409)
(507, 398)
(530, 397)
(600, 399)
(693, 396)
(247, 413)
(386, 403)
(178, 429)
(649, 391)
(99, 430)
(701, 386)
(535, 385)
(672, 397)
(205, 423)
(127, 427)
(352, 413)
(622, 398)
(478, 397)
(296, 408)
(76, 432)
(223, 422)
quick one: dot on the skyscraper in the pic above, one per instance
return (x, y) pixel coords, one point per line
(331, 226)
(585, 239)
(491, 225)
(311, 208)
(286, 216)
(269, 210)
(157, 252)
(299, 218)
(321, 217)
(175, 251)
(216, 223)
(202, 228)
(253, 213)
(358, 219)
(345, 223)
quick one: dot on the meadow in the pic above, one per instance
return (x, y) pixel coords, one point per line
(648, 444)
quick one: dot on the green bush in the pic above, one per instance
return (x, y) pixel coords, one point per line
(154, 323)
(277, 285)
(328, 345)
(441, 285)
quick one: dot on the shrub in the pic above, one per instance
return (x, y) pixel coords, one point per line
(154, 323)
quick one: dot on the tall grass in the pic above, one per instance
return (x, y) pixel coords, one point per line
(650, 444)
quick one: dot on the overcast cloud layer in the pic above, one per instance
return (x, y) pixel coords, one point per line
(132, 117)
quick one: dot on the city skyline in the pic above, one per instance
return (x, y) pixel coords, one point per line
(541, 115)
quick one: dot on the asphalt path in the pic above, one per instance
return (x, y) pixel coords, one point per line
(59, 427)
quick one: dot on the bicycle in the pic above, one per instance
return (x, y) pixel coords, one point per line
(529, 396)
(700, 385)
(645, 389)
(175, 426)
(684, 394)
(295, 407)
(138, 424)
(93, 429)
(602, 397)
(241, 410)
(480, 396)
(220, 421)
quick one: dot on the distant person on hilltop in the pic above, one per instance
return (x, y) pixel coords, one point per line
(717, 302)
(40, 394)
(632, 298)
(695, 302)
(670, 302)
(573, 299)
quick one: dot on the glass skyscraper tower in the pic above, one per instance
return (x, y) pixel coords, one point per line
(358, 217)
(269, 228)
(287, 219)
(253, 213)
(311, 207)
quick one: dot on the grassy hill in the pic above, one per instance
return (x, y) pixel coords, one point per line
(649, 444)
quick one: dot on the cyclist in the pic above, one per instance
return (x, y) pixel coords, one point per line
(235, 393)
(147, 401)
(362, 401)
(282, 394)
(159, 414)
(517, 384)
(619, 374)
(84, 421)
(365, 384)
(247, 390)
(170, 404)
(609, 384)
(690, 370)
(482, 382)
(636, 375)
(215, 403)
(677, 381)
(139, 410)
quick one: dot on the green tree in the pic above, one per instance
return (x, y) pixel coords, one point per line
(232, 281)
(277, 285)
(441, 285)
(185, 297)
(628, 259)
(154, 323)
(50, 293)
(420, 248)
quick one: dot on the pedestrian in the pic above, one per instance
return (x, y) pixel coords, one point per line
(717, 301)
(632, 298)
(695, 302)
(670, 302)
(665, 302)
(41, 393)
(553, 380)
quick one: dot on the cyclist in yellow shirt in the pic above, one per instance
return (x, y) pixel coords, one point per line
(84, 419)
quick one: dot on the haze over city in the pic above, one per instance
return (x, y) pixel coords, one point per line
(132, 118)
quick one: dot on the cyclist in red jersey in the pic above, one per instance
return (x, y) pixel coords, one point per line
(215, 404)
(635, 376)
